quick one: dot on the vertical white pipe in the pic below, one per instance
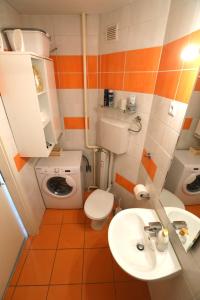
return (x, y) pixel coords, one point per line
(110, 172)
(94, 147)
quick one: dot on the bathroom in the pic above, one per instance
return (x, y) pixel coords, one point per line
(124, 67)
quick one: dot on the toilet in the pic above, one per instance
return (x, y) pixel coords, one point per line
(97, 208)
(168, 199)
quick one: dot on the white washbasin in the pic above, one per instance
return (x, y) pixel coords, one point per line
(193, 223)
(126, 230)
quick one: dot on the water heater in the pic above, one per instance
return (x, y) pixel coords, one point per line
(113, 135)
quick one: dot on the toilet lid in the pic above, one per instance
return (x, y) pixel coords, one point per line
(169, 199)
(99, 204)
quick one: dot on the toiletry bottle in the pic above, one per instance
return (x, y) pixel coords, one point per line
(106, 98)
(183, 235)
(162, 240)
(131, 104)
(110, 98)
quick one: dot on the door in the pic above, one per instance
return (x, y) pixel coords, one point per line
(12, 235)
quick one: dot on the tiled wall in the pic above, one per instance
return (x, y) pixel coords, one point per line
(129, 65)
(65, 31)
(23, 168)
(174, 85)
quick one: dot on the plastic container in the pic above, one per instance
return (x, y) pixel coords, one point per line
(162, 240)
(34, 41)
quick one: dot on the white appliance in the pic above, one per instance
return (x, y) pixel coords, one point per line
(60, 180)
(183, 178)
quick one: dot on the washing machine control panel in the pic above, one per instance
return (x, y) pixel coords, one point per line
(56, 170)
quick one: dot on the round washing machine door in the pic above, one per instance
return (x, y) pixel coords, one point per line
(191, 184)
(60, 186)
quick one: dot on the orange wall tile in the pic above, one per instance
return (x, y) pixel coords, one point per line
(69, 63)
(197, 85)
(166, 84)
(186, 85)
(125, 183)
(92, 63)
(171, 54)
(92, 80)
(187, 123)
(112, 62)
(149, 165)
(20, 161)
(194, 39)
(143, 59)
(70, 80)
(75, 122)
(143, 82)
(111, 81)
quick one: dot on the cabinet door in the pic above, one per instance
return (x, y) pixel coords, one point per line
(53, 100)
(11, 237)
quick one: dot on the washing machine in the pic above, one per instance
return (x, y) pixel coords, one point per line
(183, 178)
(60, 179)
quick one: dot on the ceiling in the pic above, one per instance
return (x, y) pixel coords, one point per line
(66, 6)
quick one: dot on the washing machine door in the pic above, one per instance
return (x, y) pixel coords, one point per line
(191, 184)
(60, 186)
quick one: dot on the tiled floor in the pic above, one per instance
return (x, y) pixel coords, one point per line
(68, 260)
(195, 209)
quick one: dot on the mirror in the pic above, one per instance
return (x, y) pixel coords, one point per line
(181, 193)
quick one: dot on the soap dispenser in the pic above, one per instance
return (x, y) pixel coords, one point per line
(162, 240)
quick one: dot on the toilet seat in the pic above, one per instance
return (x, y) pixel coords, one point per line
(169, 199)
(99, 205)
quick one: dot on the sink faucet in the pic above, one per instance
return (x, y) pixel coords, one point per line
(153, 228)
(179, 224)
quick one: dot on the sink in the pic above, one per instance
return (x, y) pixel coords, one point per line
(193, 224)
(126, 232)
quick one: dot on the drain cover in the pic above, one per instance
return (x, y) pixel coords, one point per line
(140, 247)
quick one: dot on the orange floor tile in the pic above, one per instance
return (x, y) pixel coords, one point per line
(68, 260)
(194, 209)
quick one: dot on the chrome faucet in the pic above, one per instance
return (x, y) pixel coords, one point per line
(153, 228)
(179, 224)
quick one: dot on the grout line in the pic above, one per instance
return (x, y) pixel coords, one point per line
(85, 225)
(55, 257)
(28, 251)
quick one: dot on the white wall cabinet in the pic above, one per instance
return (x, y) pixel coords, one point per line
(33, 116)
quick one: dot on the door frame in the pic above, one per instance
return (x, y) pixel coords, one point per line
(16, 192)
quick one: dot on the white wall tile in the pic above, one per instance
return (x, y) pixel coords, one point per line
(93, 24)
(38, 21)
(145, 10)
(8, 15)
(183, 19)
(66, 24)
(68, 45)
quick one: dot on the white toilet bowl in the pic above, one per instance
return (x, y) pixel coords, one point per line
(169, 199)
(97, 207)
